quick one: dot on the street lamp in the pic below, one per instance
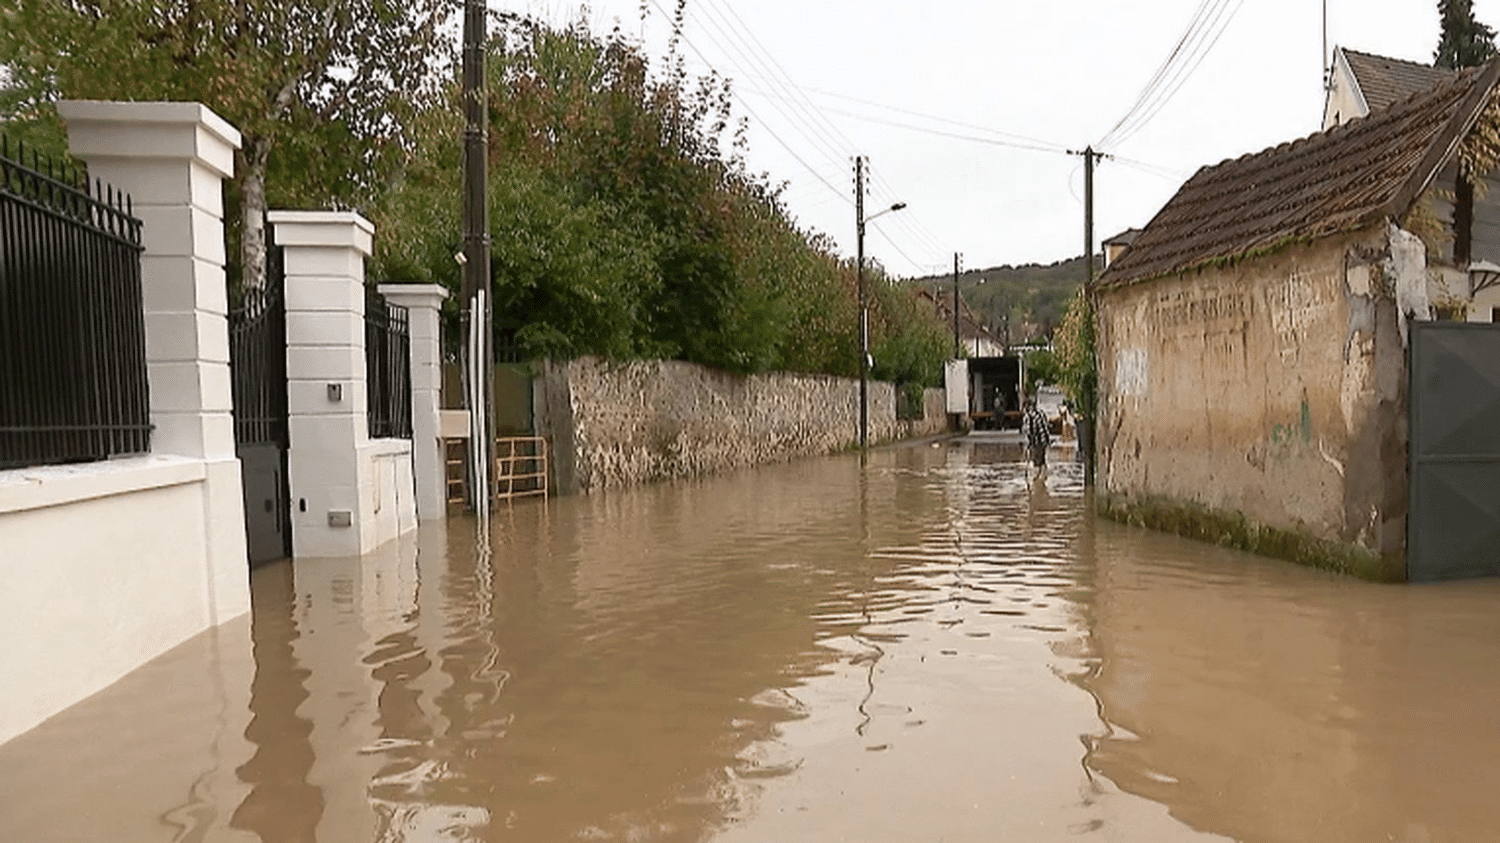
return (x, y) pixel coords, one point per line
(864, 316)
(1482, 275)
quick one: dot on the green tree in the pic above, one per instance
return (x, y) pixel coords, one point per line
(1041, 368)
(570, 278)
(623, 223)
(736, 285)
(324, 92)
(1464, 42)
(1073, 346)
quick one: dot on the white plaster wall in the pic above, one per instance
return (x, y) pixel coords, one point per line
(387, 494)
(1344, 101)
(107, 565)
(1483, 308)
(103, 567)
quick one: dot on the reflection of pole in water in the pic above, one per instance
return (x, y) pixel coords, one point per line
(868, 659)
(1087, 577)
(282, 803)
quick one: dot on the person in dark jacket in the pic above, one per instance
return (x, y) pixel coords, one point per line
(1037, 433)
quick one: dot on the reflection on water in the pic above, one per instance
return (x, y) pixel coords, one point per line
(1268, 702)
(931, 646)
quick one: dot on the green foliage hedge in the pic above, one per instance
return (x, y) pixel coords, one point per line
(624, 224)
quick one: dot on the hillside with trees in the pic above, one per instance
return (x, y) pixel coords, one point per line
(1018, 304)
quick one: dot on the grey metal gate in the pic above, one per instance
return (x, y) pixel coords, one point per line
(1453, 529)
(257, 362)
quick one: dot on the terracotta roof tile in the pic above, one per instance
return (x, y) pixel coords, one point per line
(1385, 81)
(1339, 180)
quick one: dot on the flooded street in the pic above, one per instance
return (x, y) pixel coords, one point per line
(927, 648)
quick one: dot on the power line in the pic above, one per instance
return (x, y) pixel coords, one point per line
(1019, 137)
(804, 116)
(784, 145)
(1149, 169)
(1207, 25)
(789, 92)
(1155, 80)
(715, 28)
(1182, 79)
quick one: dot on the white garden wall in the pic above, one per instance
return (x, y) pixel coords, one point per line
(107, 565)
(350, 493)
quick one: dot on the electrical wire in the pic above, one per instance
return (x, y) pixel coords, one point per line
(804, 113)
(1181, 80)
(763, 123)
(1209, 21)
(1034, 142)
(1155, 80)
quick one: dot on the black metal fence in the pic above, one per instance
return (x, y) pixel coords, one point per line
(257, 358)
(72, 333)
(387, 367)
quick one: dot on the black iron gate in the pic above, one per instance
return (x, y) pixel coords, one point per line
(73, 384)
(1453, 530)
(257, 361)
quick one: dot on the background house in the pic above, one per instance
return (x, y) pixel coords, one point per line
(1359, 83)
(1117, 245)
(974, 338)
(1254, 346)
(1363, 82)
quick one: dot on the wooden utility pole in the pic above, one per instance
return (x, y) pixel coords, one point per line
(1088, 211)
(864, 312)
(957, 343)
(475, 258)
(1086, 434)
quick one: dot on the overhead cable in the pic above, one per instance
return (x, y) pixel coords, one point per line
(1207, 25)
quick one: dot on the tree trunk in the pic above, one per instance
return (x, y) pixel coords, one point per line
(253, 214)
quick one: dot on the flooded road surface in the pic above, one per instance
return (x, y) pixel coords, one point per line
(930, 648)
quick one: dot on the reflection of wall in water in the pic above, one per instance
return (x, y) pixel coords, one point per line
(80, 774)
(1270, 703)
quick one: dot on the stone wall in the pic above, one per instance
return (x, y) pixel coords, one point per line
(616, 424)
(1273, 389)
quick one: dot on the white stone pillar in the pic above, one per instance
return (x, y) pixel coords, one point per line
(324, 254)
(423, 303)
(172, 158)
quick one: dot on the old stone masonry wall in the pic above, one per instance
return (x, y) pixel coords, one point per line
(615, 424)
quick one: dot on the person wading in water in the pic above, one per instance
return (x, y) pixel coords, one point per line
(1038, 435)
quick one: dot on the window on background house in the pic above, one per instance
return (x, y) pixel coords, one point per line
(1495, 314)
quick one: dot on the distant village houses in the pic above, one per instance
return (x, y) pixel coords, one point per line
(1117, 245)
(973, 337)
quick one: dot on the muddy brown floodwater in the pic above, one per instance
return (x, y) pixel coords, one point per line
(927, 648)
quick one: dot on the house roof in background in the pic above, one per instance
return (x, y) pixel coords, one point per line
(1124, 238)
(942, 302)
(1386, 81)
(1338, 180)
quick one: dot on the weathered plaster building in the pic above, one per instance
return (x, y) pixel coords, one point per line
(1253, 342)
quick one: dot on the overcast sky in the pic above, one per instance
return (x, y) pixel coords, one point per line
(1018, 84)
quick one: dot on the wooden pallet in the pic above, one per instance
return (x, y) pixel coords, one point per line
(520, 468)
(455, 460)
